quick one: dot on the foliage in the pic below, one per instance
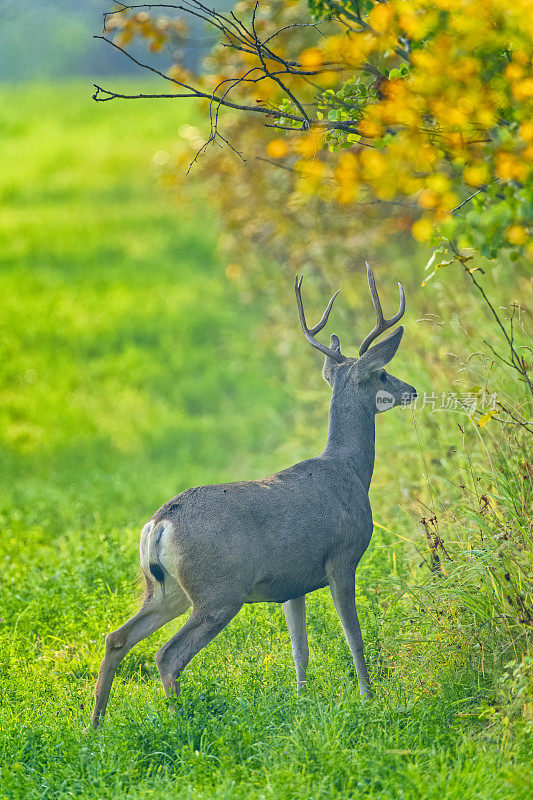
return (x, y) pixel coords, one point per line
(135, 372)
(448, 108)
(420, 102)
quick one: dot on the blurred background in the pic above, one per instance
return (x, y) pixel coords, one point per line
(149, 342)
(41, 40)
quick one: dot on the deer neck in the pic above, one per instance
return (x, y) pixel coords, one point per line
(352, 431)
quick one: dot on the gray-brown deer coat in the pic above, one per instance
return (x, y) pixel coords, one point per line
(271, 540)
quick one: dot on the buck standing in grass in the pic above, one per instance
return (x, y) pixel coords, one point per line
(272, 540)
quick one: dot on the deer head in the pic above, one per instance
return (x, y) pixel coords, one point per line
(366, 373)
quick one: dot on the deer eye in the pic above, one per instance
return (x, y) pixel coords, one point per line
(383, 377)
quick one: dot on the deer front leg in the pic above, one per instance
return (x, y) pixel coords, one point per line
(343, 592)
(294, 611)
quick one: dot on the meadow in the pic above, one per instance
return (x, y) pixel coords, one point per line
(132, 368)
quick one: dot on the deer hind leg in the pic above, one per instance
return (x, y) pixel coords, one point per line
(294, 611)
(201, 627)
(343, 592)
(156, 610)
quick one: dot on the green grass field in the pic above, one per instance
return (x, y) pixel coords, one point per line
(130, 369)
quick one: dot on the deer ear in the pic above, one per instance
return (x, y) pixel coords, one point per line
(380, 354)
(329, 363)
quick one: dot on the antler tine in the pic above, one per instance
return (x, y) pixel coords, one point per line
(310, 332)
(382, 324)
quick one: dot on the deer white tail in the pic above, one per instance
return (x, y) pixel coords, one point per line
(150, 540)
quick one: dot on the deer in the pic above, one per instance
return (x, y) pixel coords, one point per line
(274, 540)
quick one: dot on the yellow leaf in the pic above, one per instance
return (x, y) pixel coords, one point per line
(516, 234)
(308, 145)
(513, 71)
(233, 271)
(484, 418)
(312, 58)
(526, 131)
(509, 167)
(422, 230)
(370, 128)
(277, 148)
(427, 198)
(381, 17)
(476, 175)
(523, 90)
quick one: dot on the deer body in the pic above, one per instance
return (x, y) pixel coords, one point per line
(286, 510)
(272, 540)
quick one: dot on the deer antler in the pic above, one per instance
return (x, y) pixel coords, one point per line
(336, 355)
(382, 324)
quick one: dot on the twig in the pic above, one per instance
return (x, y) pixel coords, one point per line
(517, 362)
(276, 164)
(468, 199)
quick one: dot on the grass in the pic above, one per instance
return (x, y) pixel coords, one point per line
(131, 368)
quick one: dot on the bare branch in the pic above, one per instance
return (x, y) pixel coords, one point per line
(193, 91)
(241, 38)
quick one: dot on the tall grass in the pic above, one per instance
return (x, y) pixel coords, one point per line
(455, 605)
(131, 368)
(469, 606)
(463, 600)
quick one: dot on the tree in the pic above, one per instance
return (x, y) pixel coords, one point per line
(421, 105)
